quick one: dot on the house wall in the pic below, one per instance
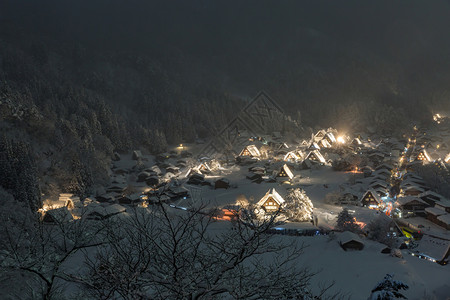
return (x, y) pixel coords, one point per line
(369, 200)
(270, 205)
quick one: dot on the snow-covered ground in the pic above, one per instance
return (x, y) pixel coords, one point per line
(357, 272)
(354, 272)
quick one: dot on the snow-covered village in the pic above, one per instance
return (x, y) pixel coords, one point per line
(132, 174)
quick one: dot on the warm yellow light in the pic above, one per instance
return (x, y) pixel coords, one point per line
(341, 140)
(181, 145)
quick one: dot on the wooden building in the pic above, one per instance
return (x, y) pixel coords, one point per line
(412, 205)
(324, 143)
(133, 199)
(58, 215)
(413, 191)
(331, 139)
(423, 156)
(250, 151)
(291, 156)
(371, 199)
(316, 156)
(431, 197)
(222, 183)
(285, 172)
(319, 135)
(443, 204)
(433, 213)
(356, 141)
(98, 212)
(433, 248)
(271, 201)
(204, 168)
(350, 241)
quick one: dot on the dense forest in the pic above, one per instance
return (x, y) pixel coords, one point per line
(82, 79)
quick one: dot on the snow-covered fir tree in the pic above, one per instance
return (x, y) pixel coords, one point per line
(388, 289)
(298, 206)
(346, 222)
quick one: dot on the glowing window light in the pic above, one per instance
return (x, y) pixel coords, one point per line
(341, 140)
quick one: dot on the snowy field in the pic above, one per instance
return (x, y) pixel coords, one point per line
(357, 272)
(354, 273)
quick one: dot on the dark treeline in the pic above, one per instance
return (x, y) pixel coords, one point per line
(81, 79)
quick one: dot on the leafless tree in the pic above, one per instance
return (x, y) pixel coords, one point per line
(37, 252)
(164, 253)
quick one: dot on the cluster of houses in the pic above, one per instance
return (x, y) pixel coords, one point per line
(306, 151)
(69, 207)
(383, 174)
(389, 182)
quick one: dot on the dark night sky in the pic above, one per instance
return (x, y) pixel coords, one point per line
(393, 28)
(244, 45)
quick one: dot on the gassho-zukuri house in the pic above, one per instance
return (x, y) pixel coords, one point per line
(316, 156)
(285, 172)
(371, 199)
(250, 151)
(271, 201)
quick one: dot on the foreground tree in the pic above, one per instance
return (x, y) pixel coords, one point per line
(168, 254)
(35, 253)
(388, 289)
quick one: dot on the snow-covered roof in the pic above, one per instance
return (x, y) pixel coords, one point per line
(350, 190)
(275, 196)
(320, 134)
(356, 141)
(379, 182)
(203, 167)
(432, 194)
(444, 219)
(414, 187)
(282, 146)
(374, 194)
(348, 236)
(425, 154)
(60, 214)
(331, 137)
(286, 170)
(380, 190)
(317, 154)
(413, 175)
(409, 199)
(381, 172)
(379, 154)
(447, 158)
(291, 155)
(433, 247)
(443, 203)
(324, 143)
(252, 149)
(104, 211)
(385, 166)
(412, 180)
(435, 211)
(314, 146)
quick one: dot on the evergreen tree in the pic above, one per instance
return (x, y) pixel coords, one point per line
(388, 289)
(298, 206)
(18, 172)
(346, 222)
